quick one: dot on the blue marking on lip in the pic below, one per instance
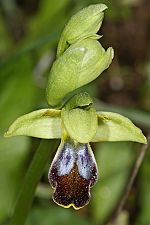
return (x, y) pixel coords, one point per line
(85, 161)
(66, 161)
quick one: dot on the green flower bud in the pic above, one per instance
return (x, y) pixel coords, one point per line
(83, 24)
(80, 64)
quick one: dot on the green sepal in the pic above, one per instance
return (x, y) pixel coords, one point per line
(80, 124)
(44, 123)
(83, 24)
(80, 64)
(114, 127)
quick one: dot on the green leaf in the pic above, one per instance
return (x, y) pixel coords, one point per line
(114, 127)
(18, 96)
(80, 64)
(114, 169)
(83, 24)
(80, 124)
(49, 16)
(49, 215)
(44, 123)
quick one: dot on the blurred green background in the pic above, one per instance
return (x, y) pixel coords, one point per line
(29, 33)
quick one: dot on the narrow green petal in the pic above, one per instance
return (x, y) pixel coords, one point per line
(81, 125)
(44, 123)
(82, 100)
(114, 127)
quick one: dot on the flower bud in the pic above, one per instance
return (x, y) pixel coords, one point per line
(72, 173)
(83, 24)
(80, 64)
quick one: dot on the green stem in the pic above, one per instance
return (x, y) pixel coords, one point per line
(31, 180)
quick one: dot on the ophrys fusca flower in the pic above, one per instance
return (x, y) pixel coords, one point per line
(71, 117)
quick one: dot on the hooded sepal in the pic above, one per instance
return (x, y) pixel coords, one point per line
(80, 64)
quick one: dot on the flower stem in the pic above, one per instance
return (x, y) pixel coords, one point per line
(31, 180)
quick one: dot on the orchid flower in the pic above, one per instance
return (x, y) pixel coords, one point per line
(72, 117)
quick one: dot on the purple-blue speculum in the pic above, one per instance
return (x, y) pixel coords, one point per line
(72, 173)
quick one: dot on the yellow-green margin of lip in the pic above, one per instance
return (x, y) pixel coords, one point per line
(72, 204)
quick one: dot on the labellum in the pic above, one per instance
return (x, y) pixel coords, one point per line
(72, 173)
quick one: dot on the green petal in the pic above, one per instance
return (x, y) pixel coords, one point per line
(114, 127)
(81, 125)
(44, 123)
(83, 24)
(82, 100)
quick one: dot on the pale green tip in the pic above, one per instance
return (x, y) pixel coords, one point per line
(144, 139)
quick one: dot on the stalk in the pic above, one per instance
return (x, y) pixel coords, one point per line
(31, 180)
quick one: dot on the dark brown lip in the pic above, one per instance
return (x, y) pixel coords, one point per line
(72, 173)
